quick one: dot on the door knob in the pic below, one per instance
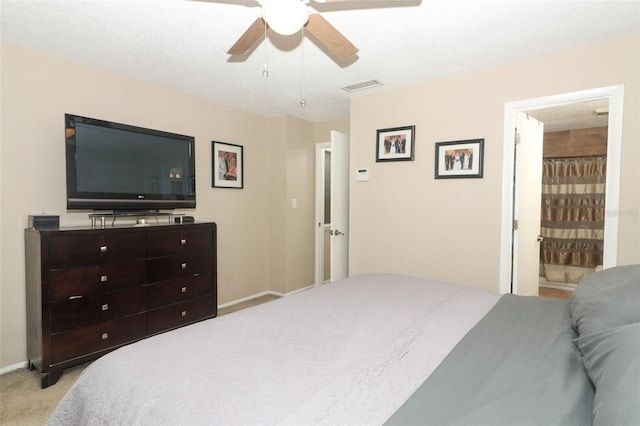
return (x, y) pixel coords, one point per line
(336, 232)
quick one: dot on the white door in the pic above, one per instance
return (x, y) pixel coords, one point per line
(526, 211)
(615, 94)
(339, 206)
(323, 213)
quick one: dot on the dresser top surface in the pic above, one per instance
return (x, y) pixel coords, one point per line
(120, 227)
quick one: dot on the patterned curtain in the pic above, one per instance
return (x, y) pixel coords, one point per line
(573, 196)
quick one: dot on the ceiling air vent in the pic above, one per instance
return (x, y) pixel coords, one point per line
(362, 86)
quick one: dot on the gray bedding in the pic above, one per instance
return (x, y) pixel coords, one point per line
(346, 353)
(352, 352)
(517, 366)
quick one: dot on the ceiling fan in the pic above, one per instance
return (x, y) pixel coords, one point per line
(287, 17)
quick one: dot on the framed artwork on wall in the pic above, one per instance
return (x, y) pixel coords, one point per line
(459, 159)
(227, 165)
(395, 144)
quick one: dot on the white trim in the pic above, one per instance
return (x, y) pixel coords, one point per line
(14, 367)
(263, 293)
(255, 296)
(614, 150)
(299, 290)
(612, 195)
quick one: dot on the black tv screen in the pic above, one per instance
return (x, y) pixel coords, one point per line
(114, 166)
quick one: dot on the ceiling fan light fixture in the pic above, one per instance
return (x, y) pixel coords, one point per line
(285, 17)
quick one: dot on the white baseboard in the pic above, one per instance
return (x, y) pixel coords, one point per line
(14, 367)
(263, 293)
(299, 290)
(254, 296)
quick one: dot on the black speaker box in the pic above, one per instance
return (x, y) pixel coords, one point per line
(185, 219)
(44, 221)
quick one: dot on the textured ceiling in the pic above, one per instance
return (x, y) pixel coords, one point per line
(577, 115)
(182, 44)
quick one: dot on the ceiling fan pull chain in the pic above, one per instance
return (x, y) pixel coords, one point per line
(265, 69)
(303, 101)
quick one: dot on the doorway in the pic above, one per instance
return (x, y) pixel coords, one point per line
(332, 209)
(574, 162)
(615, 95)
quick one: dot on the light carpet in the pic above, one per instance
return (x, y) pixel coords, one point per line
(22, 402)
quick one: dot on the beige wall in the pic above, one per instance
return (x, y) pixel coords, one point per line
(292, 174)
(403, 220)
(262, 244)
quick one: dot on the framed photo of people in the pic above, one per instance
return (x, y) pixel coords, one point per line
(395, 144)
(227, 165)
(459, 159)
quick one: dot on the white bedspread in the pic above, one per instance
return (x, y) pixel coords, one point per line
(349, 352)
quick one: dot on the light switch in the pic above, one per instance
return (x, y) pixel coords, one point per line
(294, 203)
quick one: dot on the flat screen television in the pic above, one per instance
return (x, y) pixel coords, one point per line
(114, 166)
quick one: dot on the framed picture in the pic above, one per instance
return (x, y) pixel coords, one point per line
(459, 159)
(396, 144)
(227, 165)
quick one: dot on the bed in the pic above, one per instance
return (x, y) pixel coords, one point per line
(383, 348)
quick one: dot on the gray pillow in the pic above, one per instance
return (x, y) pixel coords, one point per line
(606, 299)
(612, 360)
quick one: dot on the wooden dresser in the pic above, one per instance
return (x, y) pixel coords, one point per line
(92, 290)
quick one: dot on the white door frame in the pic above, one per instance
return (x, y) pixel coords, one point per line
(614, 151)
(319, 217)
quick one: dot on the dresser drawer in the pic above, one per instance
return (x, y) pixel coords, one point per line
(179, 240)
(185, 265)
(180, 314)
(85, 280)
(84, 310)
(90, 290)
(96, 337)
(94, 249)
(174, 291)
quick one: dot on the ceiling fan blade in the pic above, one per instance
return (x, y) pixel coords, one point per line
(353, 1)
(249, 38)
(330, 37)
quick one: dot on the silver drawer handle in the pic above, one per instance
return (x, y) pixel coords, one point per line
(183, 290)
(105, 336)
(183, 241)
(105, 307)
(183, 266)
(183, 313)
(103, 249)
(103, 278)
